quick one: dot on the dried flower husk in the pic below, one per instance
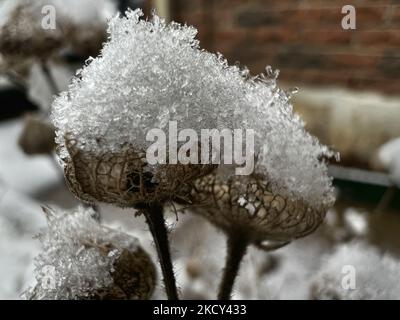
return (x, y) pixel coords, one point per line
(134, 277)
(247, 205)
(121, 177)
(82, 259)
(85, 41)
(37, 136)
(23, 36)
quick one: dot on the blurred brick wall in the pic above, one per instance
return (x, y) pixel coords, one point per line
(304, 39)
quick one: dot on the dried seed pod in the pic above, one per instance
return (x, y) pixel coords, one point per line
(24, 36)
(37, 136)
(247, 205)
(82, 259)
(121, 177)
(134, 277)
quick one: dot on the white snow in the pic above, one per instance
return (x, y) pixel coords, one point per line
(389, 156)
(151, 72)
(375, 274)
(19, 171)
(20, 220)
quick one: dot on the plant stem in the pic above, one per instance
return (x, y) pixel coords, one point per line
(155, 219)
(236, 249)
(50, 79)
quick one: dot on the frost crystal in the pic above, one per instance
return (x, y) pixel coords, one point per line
(78, 256)
(151, 72)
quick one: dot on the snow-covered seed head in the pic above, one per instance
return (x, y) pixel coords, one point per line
(37, 29)
(22, 34)
(247, 205)
(134, 277)
(121, 178)
(150, 74)
(82, 259)
(37, 136)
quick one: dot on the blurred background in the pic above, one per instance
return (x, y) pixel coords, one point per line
(349, 97)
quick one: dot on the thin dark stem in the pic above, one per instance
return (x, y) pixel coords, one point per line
(155, 220)
(236, 249)
(50, 79)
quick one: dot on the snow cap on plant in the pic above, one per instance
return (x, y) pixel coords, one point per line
(250, 206)
(82, 259)
(150, 73)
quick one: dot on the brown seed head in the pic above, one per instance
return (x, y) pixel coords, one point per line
(121, 177)
(134, 277)
(37, 136)
(24, 37)
(247, 205)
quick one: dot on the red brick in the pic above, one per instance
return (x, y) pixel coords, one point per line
(355, 61)
(327, 36)
(387, 38)
(305, 39)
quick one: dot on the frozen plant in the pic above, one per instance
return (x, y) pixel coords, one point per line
(27, 38)
(250, 211)
(82, 259)
(41, 30)
(150, 73)
(78, 24)
(357, 271)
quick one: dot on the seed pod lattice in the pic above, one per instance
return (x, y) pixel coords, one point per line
(248, 204)
(121, 177)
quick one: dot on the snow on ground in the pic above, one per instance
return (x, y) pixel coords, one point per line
(20, 172)
(20, 220)
(20, 215)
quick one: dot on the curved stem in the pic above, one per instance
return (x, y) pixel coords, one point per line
(236, 249)
(155, 220)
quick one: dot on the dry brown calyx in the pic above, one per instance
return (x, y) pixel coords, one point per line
(134, 277)
(121, 177)
(248, 210)
(37, 136)
(247, 205)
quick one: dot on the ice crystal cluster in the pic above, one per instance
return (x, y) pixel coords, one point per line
(150, 73)
(81, 259)
(375, 274)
